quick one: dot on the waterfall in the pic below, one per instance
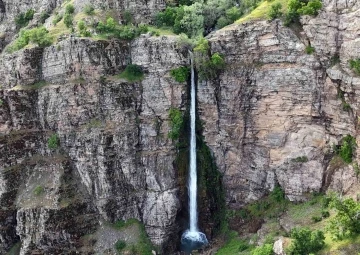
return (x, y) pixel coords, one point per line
(192, 239)
(193, 169)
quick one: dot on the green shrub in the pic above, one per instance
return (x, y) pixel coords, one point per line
(316, 218)
(233, 14)
(143, 28)
(355, 65)
(266, 249)
(166, 17)
(347, 219)
(346, 106)
(108, 27)
(127, 16)
(210, 69)
(1, 102)
(347, 148)
(23, 19)
(120, 245)
(309, 50)
(306, 241)
(275, 11)
(176, 121)
(127, 32)
(277, 194)
(53, 141)
(83, 29)
(44, 16)
(311, 8)
(180, 74)
(301, 159)
(38, 190)
(69, 9)
(39, 36)
(68, 20)
(89, 9)
(57, 19)
(325, 214)
(222, 22)
(132, 73)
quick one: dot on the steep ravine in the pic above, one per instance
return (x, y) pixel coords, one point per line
(271, 105)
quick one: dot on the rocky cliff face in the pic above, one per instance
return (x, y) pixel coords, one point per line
(115, 159)
(271, 118)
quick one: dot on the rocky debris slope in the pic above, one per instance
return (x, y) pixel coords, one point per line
(114, 160)
(273, 116)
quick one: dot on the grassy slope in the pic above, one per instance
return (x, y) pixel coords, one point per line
(299, 215)
(261, 11)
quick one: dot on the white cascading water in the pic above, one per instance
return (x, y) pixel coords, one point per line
(193, 239)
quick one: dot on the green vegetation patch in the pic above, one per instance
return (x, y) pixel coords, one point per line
(132, 73)
(306, 241)
(209, 67)
(180, 74)
(120, 245)
(346, 148)
(38, 190)
(176, 122)
(142, 247)
(23, 19)
(355, 65)
(110, 29)
(53, 141)
(346, 222)
(38, 35)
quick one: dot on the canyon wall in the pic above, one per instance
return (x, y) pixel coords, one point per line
(271, 118)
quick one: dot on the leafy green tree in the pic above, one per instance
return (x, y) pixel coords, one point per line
(166, 17)
(233, 14)
(292, 14)
(181, 74)
(311, 8)
(213, 10)
(347, 219)
(275, 11)
(69, 9)
(192, 22)
(68, 20)
(23, 19)
(44, 16)
(38, 35)
(89, 9)
(347, 148)
(222, 22)
(83, 29)
(266, 249)
(306, 241)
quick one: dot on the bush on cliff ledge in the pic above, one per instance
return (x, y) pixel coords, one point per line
(132, 73)
(38, 35)
(23, 18)
(180, 74)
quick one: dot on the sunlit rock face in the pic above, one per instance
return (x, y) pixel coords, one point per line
(273, 115)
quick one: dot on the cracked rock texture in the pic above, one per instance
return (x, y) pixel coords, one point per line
(114, 160)
(273, 115)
